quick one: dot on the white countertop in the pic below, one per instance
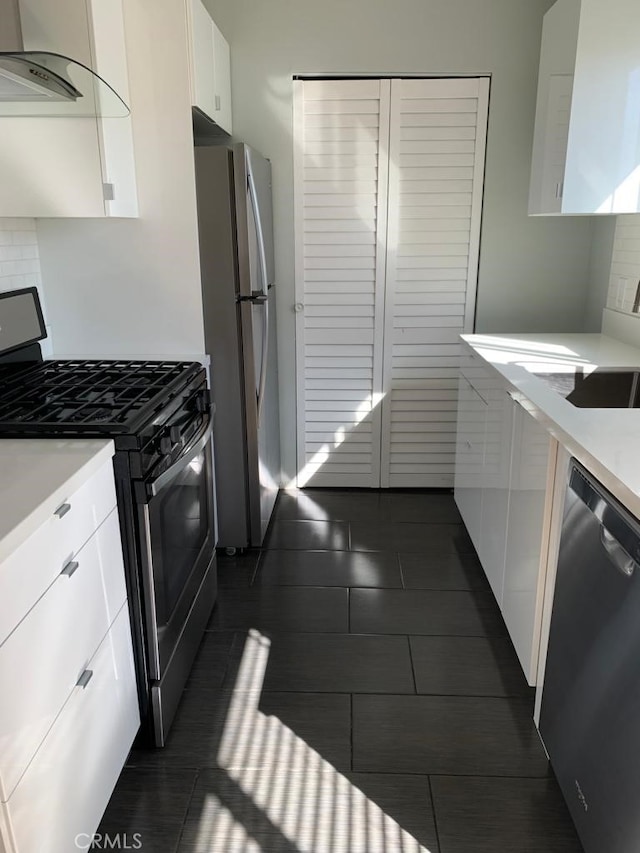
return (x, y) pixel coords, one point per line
(36, 476)
(606, 441)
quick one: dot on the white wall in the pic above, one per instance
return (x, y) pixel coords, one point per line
(600, 259)
(132, 287)
(533, 272)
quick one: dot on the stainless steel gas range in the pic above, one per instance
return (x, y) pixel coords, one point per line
(160, 417)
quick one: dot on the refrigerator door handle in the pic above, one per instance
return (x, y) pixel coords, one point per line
(253, 196)
(265, 354)
(257, 297)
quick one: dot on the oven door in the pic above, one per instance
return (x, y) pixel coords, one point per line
(176, 526)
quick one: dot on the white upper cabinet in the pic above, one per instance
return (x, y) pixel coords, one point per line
(73, 166)
(555, 84)
(222, 78)
(210, 66)
(586, 150)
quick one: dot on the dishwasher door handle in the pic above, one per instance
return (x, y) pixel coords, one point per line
(616, 553)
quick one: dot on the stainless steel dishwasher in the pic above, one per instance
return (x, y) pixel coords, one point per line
(590, 716)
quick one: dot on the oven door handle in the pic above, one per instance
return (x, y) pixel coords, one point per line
(152, 487)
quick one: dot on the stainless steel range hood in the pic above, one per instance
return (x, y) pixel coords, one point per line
(41, 83)
(46, 84)
(22, 78)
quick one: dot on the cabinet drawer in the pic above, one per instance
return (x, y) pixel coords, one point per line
(68, 784)
(43, 658)
(29, 571)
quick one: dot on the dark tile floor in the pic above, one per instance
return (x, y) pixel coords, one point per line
(355, 692)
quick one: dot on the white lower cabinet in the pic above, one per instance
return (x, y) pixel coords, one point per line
(32, 567)
(52, 646)
(69, 708)
(527, 526)
(470, 439)
(58, 803)
(501, 490)
(495, 486)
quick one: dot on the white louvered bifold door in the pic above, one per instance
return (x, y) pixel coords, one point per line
(341, 160)
(436, 151)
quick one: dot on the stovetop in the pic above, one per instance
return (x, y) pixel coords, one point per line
(87, 397)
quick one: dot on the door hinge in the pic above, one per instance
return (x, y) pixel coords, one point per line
(109, 192)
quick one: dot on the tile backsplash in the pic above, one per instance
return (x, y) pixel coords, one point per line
(20, 261)
(624, 281)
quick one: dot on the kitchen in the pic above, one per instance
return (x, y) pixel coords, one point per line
(137, 282)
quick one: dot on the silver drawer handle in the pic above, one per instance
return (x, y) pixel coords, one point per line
(85, 678)
(70, 568)
(62, 510)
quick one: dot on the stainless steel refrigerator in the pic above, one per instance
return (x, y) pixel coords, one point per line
(235, 225)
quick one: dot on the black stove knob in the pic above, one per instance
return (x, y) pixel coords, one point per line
(175, 434)
(165, 445)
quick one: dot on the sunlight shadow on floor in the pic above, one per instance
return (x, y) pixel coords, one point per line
(297, 801)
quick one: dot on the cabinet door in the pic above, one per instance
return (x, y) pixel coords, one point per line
(603, 158)
(67, 786)
(553, 106)
(222, 78)
(495, 487)
(81, 605)
(527, 522)
(340, 166)
(203, 91)
(589, 59)
(470, 449)
(71, 167)
(50, 167)
(556, 137)
(436, 151)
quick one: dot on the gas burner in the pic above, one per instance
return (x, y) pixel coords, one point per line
(96, 397)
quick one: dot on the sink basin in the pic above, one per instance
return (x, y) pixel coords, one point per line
(602, 388)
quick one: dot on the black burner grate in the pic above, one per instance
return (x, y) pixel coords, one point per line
(87, 397)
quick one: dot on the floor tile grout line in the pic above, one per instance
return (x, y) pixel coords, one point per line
(169, 767)
(351, 731)
(287, 631)
(385, 693)
(186, 813)
(484, 775)
(368, 520)
(227, 664)
(410, 551)
(442, 553)
(413, 669)
(231, 629)
(403, 585)
(256, 568)
(433, 811)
